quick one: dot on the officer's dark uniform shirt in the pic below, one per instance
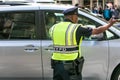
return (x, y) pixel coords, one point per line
(81, 31)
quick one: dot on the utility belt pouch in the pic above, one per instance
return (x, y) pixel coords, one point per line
(79, 64)
(74, 67)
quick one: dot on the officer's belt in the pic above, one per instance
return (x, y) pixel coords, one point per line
(65, 49)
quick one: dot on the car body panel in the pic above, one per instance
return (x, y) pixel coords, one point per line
(114, 56)
(20, 59)
(47, 49)
(96, 59)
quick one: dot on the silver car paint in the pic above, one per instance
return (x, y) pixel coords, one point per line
(20, 59)
(114, 55)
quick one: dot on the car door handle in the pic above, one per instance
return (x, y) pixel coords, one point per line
(30, 48)
(49, 48)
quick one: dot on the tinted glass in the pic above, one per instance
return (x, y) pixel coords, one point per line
(20, 25)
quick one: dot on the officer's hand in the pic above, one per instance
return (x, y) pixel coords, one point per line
(112, 21)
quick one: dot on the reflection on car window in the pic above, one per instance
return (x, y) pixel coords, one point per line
(110, 35)
(17, 25)
(50, 21)
(6, 20)
(52, 18)
(86, 21)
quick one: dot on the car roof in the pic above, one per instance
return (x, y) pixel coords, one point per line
(33, 6)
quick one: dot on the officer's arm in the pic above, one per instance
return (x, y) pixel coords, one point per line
(104, 27)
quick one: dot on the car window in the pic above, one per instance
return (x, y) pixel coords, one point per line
(17, 25)
(110, 35)
(52, 18)
(87, 22)
(6, 20)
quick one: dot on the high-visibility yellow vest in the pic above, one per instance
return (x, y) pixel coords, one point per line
(64, 41)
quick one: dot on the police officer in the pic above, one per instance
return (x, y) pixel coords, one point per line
(67, 36)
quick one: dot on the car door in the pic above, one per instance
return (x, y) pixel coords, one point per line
(50, 17)
(20, 50)
(95, 51)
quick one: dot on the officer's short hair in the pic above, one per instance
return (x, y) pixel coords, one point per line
(71, 11)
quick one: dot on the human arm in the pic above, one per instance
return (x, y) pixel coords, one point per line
(104, 27)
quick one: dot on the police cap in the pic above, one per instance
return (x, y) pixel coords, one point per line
(71, 11)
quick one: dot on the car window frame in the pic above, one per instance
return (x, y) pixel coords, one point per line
(42, 12)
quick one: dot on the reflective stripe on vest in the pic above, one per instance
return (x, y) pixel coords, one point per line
(64, 39)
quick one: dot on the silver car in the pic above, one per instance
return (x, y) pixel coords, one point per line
(26, 48)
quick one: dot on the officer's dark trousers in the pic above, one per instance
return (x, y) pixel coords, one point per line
(61, 74)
